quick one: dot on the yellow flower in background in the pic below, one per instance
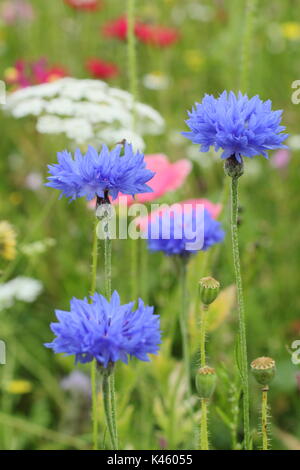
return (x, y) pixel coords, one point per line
(7, 241)
(291, 30)
(11, 74)
(15, 198)
(18, 387)
(193, 59)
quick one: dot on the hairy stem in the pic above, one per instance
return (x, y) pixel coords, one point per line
(184, 325)
(106, 389)
(241, 310)
(110, 385)
(93, 363)
(264, 418)
(203, 429)
(202, 335)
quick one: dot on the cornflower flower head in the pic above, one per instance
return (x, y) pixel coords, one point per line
(182, 230)
(106, 330)
(100, 174)
(239, 125)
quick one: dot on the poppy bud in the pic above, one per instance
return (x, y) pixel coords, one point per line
(209, 290)
(206, 382)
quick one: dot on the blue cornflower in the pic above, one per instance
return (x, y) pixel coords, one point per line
(238, 125)
(183, 232)
(106, 330)
(95, 174)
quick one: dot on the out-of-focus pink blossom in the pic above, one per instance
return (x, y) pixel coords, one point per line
(281, 159)
(213, 209)
(168, 177)
(24, 74)
(16, 11)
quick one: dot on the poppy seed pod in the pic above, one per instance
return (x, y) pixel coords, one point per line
(263, 369)
(206, 382)
(209, 289)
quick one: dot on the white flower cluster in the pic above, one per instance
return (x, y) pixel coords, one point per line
(21, 288)
(86, 111)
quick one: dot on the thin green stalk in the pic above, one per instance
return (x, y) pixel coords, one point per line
(184, 324)
(134, 268)
(108, 382)
(203, 429)
(202, 335)
(106, 389)
(241, 310)
(250, 7)
(133, 88)
(264, 417)
(94, 363)
(131, 49)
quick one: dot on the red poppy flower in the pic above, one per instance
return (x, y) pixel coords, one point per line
(100, 69)
(156, 35)
(146, 33)
(117, 28)
(90, 5)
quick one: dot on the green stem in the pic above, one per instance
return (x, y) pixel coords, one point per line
(107, 267)
(106, 389)
(94, 363)
(203, 429)
(241, 310)
(264, 417)
(184, 325)
(113, 407)
(246, 44)
(131, 50)
(108, 382)
(134, 268)
(133, 88)
(202, 335)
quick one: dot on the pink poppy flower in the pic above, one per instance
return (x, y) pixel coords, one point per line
(16, 11)
(213, 209)
(168, 177)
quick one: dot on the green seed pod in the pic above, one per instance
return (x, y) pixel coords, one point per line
(233, 168)
(209, 289)
(206, 382)
(263, 369)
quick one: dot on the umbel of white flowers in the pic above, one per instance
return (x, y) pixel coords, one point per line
(86, 111)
